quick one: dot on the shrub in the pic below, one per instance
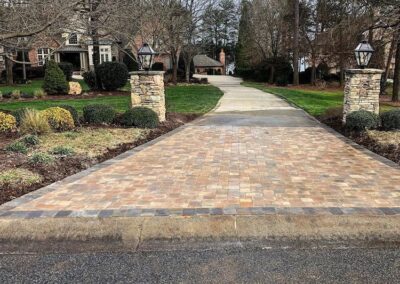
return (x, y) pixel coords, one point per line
(73, 112)
(30, 140)
(39, 94)
(54, 80)
(90, 79)
(17, 147)
(18, 114)
(1, 95)
(40, 159)
(16, 94)
(158, 66)
(59, 118)
(67, 69)
(7, 95)
(362, 120)
(8, 122)
(282, 81)
(62, 151)
(141, 117)
(32, 122)
(98, 113)
(391, 119)
(27, 95)
(112, 75)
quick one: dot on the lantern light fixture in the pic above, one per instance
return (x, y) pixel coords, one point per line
(363, 53)
(146, 56)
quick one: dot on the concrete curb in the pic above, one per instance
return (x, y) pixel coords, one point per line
(131, 233)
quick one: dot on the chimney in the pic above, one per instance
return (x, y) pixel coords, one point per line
(222, 59)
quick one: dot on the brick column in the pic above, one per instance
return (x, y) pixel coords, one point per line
(361, 91)
(148, 91)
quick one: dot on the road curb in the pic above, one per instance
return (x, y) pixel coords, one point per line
(131, 233)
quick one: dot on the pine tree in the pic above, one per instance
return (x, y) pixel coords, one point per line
(243, 54)
(54, 80)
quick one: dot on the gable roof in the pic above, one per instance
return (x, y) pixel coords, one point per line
(205, 61)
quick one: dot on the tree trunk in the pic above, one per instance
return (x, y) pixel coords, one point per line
(175, 61)
(296, 43)
(271, 75)
(313, 69)
(9, 71)
(396, 85)
(388, 62)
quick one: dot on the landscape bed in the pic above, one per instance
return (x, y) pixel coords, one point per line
(327, 107)
(60, 154)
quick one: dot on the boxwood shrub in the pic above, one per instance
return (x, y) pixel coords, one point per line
(72, 111)
(141, 117)
(391, 119)
(67, 69)
(112, 75)
(59, 118)
(362, 120)
(98, 114)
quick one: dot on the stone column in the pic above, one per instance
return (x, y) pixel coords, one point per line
(361, 91)
(148, 91)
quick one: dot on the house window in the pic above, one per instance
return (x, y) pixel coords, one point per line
(105, 55)
(42, 55)
(73, 38)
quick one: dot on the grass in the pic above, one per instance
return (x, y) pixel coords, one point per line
(183, 99)
(314, 102)
(24, 88)
(15, 178)
(90, 142)
(198, 99)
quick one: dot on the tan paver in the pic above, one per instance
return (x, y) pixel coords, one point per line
(255, 150)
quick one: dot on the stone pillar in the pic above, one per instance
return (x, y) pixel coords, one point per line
(148, 91)
(361, 91)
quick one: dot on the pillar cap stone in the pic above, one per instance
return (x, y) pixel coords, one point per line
(147, 73)
(364, 71)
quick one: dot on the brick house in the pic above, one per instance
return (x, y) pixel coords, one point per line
(205, 65)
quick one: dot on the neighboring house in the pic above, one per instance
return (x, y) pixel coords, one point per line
(205, 65)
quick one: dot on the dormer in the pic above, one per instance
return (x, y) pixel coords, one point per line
(73, 39)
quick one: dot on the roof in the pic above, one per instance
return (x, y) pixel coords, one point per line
(205, 61)
(71, 48)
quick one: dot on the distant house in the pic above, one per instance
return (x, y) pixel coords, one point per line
(205, 65)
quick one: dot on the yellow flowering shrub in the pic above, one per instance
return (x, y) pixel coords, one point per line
(59, 119)
(8, 122)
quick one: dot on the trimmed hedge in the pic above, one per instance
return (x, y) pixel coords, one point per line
(54, 80)
(59, 118)
(67, 69)
(391, 119)
(98, 114)
(74, 113)
(90, 79)
(141, 117)
(362, 120)
(111, 75)
(8, 122)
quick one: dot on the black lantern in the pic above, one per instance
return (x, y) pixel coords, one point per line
(363, 54)
(146, 57)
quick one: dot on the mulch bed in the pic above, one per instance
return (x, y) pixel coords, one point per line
(333, 118)
(68, 166)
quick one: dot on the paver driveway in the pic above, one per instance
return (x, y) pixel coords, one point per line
(253, 151)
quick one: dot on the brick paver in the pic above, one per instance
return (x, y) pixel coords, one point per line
(255, 152)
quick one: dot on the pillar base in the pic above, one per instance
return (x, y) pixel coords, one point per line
(148, 91)
(361, 91)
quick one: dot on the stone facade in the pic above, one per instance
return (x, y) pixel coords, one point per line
(148, 91)
(361, 91)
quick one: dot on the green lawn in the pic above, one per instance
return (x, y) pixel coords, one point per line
(183, 99)
(314, 102)
(192, 99)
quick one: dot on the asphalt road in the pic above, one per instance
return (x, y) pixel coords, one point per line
(216, 264)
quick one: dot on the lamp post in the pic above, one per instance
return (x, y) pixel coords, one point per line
(363, 53)
(146, 57)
